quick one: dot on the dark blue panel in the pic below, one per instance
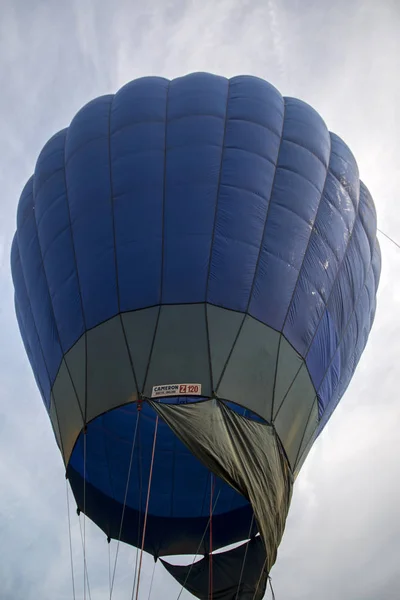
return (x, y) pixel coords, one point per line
(323, 361)
(137, 153)
(377, 263)
(345, 296)
(368, 216)
(36, 283)
(195, 133)
(351, 345)
(344, 166)
(298, 185)
(28, 350)
(55, 239)
(325, 252)
(27, 326)
(247, 171)
(89, 195)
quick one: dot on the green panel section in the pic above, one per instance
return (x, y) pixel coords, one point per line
(139, 327)
(289, 363)
(223, 327)
(309, 438)
(180, 353)
(292, 417)
(249, 376)
(54, 422)
(110, 375)
(68, 411)
(76, 362)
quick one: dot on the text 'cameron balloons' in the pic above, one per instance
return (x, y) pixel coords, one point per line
(195, 271)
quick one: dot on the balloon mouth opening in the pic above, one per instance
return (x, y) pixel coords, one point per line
(109, 475)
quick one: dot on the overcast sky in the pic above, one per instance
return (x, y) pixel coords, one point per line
(343, 534)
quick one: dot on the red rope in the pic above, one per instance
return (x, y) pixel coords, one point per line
(147, 507)
(210, 582)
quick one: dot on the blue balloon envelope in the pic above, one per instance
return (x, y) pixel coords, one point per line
(201, 254)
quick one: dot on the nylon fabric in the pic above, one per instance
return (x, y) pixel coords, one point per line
(236, 573)
(266, 202)
(243, 453)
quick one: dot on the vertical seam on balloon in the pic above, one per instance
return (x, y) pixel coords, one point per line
(372, 313)
(58, 425)
(29, 300)
(23, 331)
(338, 347)
(112, 202)
(52, 306)
(259, 251)
(39, 341)
(325, 310)
(275, 376)
(340, 265)
(314, 402)
(365, 193)
(77, 273)
(213, 235)
(162, 240)
(309, 239)
(342, 262)
(341, 340)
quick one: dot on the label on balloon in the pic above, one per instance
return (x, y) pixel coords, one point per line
(176, 389)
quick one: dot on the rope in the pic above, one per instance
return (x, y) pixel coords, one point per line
(139, 512)
(136, 570)
(388, 237)
(259, 579)
(152, 579)
(70, 542)
(109, 566)
(244, 559)
(125, 498)
(84, 562)
(147, 507)
(85, 574)
(198, 548)
(272, 589)
(210, 575)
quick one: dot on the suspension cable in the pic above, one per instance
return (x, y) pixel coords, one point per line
(272, 589)
(70, 541)
(84, 514)
(259, 579)
(84, 562)
(198, 548)
(147, 507)
(139, 511)
(210, 556)
(152, 580)
(388, 237)
(136, 568)
(109, 565)
(244, 558)
(125, 499)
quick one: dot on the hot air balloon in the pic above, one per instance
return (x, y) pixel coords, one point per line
(195, 269)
